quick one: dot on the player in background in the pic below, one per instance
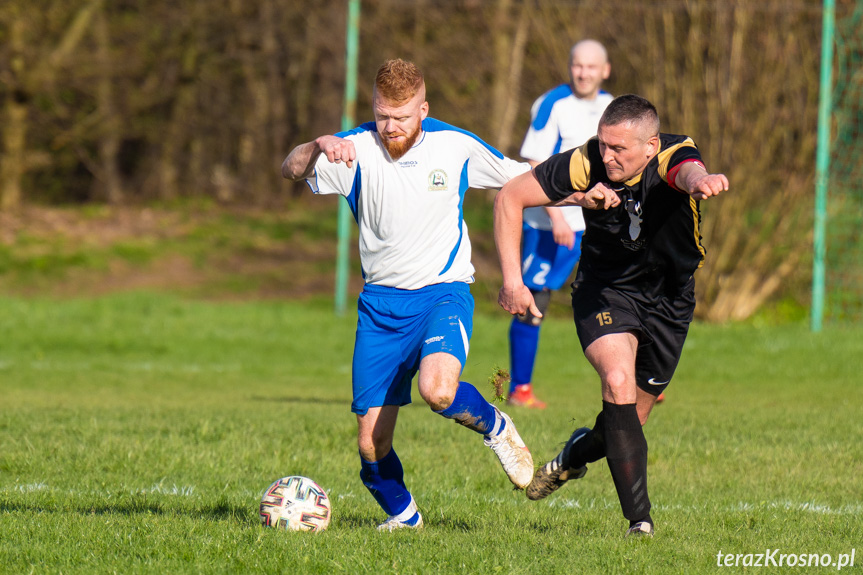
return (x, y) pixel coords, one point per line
(404, 176)
(561, 119)
(634, 294)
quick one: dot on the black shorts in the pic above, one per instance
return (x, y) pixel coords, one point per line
(660, 324)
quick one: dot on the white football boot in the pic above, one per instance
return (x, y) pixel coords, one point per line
(513, 454)
(410, 518)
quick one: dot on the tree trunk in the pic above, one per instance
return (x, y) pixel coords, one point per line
(509, 47)
(17, 159)
(15, 122)
(110, 181)
(13, 160)
(502, 42)
(513, 82)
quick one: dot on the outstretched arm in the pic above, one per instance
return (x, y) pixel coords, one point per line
(599, 197)
(520, 192)
(300, 163)
(560, 230)
(693, 179)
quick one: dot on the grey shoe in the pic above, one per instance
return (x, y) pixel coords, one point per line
(513, 454)
(555, 473)
(640, 529)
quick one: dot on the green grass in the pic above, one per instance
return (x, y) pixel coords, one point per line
(137, 433)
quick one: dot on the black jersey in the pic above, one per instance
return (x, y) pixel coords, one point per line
(650, 242)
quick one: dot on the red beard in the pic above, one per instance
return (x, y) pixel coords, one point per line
(398, 149)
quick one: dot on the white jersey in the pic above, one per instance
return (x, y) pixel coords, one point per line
(560, 121)
(409, 211)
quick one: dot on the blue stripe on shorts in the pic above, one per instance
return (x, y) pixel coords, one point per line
(396, 328)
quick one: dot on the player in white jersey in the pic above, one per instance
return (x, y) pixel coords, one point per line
(405, 176)
(561, 119)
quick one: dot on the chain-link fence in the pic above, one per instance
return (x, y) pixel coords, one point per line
(844, 245)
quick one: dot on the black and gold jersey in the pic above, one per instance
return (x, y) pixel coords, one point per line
(650, 242)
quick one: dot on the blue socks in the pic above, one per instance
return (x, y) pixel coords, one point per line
(385, 481)
(385, 478)
(470, 408)
(523, 345)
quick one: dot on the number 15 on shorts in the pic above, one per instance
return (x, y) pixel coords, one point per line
(604, 318)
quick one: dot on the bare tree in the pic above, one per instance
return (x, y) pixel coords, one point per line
(120, 103)
(510, 37)
(34, 59)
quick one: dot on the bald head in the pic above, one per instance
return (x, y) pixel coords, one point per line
(589, 49)
(588, 68)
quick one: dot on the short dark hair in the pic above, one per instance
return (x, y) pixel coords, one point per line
(631, 108)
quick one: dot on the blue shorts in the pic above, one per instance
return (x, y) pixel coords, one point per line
(545, 264)
(396, 328)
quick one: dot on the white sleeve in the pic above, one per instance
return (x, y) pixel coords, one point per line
(330, 178)
(488, 170)
(539, 143)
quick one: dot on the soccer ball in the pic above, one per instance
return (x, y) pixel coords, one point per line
(295, 503)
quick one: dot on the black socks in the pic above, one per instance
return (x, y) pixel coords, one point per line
(617, 435)
(626, 452)
(591, 447)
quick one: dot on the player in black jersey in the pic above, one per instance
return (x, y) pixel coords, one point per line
(633, 296)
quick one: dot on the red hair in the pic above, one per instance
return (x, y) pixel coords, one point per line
(398, 80)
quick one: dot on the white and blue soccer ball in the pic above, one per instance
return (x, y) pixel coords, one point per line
(296, 503)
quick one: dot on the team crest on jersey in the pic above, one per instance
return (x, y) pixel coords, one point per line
(438, 181)
(633, 209)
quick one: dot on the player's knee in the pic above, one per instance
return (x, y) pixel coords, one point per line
(620, 385)
(438, 397)
(374, 445)
(438, 387)
(366, 447)
(437, 391)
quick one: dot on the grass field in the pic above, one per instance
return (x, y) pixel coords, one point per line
(137, 433)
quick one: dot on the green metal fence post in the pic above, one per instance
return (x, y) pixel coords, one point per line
(822, 165)
(348, 114)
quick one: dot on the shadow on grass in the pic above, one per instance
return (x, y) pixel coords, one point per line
(242, 515)
(218, 510)
(354, 520)
(351, 520)
(455, 524)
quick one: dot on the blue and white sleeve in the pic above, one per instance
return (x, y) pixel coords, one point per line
(330, 178)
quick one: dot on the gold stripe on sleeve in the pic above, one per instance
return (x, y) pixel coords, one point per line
(579, 169)
(665, 156)
(693, 205)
